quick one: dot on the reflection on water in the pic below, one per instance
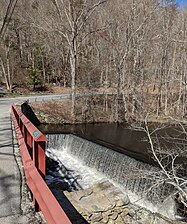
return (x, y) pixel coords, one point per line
(124, 139)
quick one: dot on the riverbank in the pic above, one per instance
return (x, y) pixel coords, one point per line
(96, 109)
(59, 111)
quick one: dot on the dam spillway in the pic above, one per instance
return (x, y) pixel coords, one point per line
(131, 175)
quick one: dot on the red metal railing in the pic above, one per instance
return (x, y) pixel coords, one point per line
(32, 145)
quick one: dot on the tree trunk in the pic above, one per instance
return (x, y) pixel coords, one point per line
(73, 76)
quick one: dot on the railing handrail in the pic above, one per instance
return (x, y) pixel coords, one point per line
(30, 127)
(48, 204)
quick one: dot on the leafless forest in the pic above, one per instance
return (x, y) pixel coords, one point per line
(132, 51)
(136, 49)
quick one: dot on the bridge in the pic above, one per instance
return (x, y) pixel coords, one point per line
(31, 143)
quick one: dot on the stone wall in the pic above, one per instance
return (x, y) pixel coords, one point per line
(104, 203)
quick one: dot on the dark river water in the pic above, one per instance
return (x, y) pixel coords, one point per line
(125, 139)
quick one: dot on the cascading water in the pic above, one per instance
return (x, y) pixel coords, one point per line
(132, 175)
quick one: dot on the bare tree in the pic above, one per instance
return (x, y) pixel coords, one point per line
(73, 19)
(8, 15)
(169, 154)
(6, 67)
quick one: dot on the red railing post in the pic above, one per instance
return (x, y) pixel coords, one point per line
(39, 162)
(40, 159)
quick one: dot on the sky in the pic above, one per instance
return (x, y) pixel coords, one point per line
(181, 2)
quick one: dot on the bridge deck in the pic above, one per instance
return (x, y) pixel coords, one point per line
(10, 178)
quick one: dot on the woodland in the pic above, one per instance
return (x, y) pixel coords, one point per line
(128, 59)
(134, 49)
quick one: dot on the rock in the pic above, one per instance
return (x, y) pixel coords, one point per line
(131, 212)
(111, 221)
(96, 217)
(103, 186)
(111, 206)
(105, 218)
(114, 215)
(145, 216)
(125, 212)
(109, 212)
(86, 214)
(47, 120)
(85, 193)
(130, 220)
(96, 209)
(119, 210)
(102, 204)
(120, 203)
(124, 201)
(119, 220)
